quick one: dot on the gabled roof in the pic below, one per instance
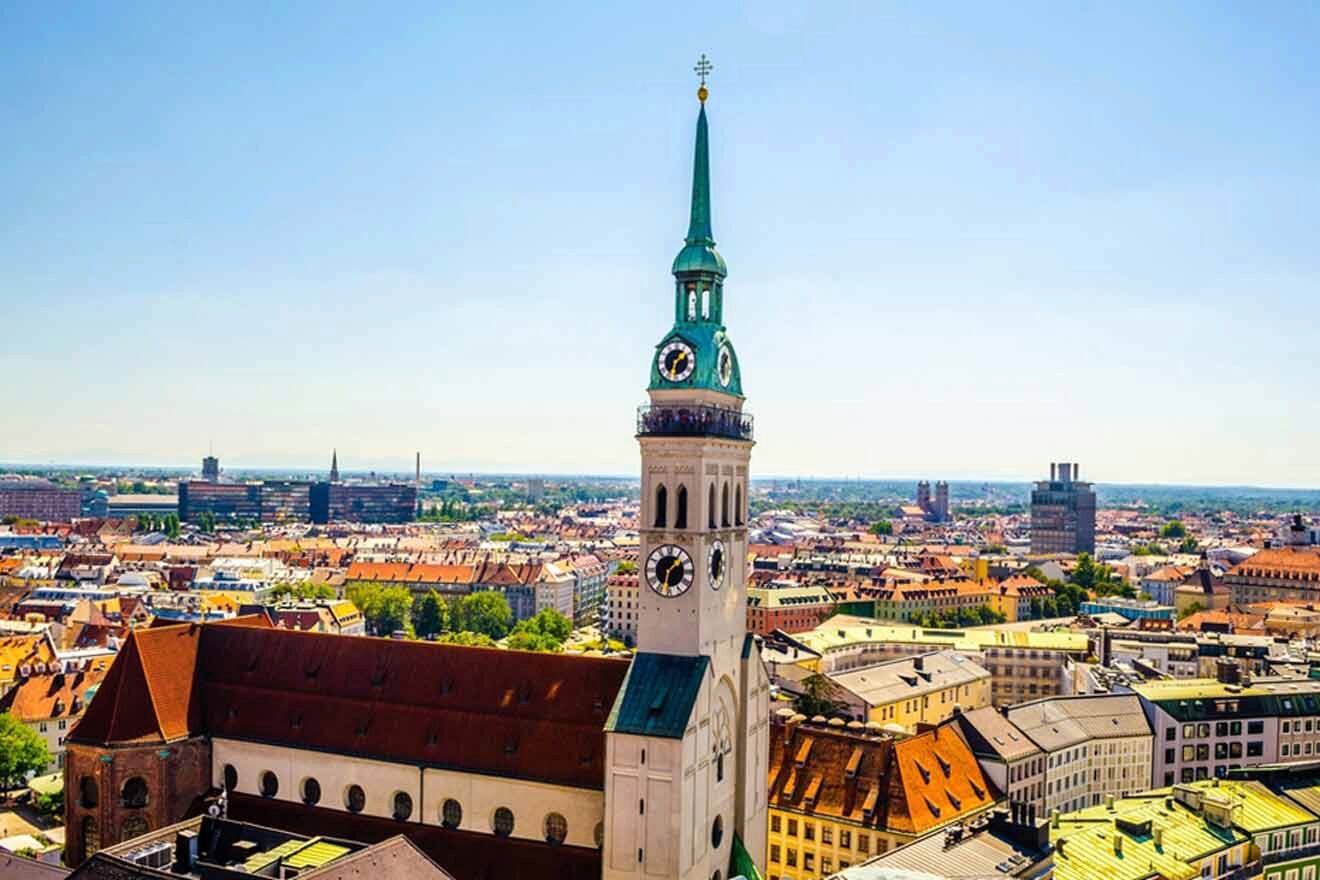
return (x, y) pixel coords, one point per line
(657, 695)
(148, 695)
(908, 787)
(498, 712)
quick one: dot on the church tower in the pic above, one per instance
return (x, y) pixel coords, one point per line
(687, 741)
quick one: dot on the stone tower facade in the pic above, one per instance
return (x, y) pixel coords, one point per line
(688, 742)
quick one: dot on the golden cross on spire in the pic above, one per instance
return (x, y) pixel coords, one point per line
(702, 70)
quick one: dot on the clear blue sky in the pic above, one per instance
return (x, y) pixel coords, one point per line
(962, 241)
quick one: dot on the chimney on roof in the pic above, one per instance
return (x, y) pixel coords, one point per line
(185, 851)
(1118, 843)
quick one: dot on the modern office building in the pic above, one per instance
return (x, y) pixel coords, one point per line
(38, 499)
(1063, 513)
(276, 501)
(363, 502)
(227, 502)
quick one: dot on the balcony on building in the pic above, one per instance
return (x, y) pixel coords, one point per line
(693, 420)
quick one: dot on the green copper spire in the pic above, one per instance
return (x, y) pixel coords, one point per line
(699, 226)
(698, 253)
(697, 352)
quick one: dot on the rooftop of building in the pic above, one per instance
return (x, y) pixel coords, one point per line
(1061, 722)
(532, 716)
(1161, 833)
(988, 732)
(908, 677)
(845, 630)
(860, 775)
(212, 848)
(988, 846)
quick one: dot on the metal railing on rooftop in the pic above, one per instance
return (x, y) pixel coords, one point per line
(693, 420)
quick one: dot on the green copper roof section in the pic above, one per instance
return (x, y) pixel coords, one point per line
(706, 341)
(698, 253)
(740, 862)
(657, 695)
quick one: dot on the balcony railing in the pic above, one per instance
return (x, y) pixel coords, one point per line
(696, 420)
(1297, 852)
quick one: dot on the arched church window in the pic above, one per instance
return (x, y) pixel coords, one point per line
(705, 304)
(717, 832)
(724, 505)
(451, 813)
(230, 777)
(135, 792)
(556, 828)
(710, 508)
(355, 799)
(661, 507)
(719, 767)
(87, 793)
(738, 505)
(680, 518)
(403, 806)
(502, 822)
(311, 791)
(270, 784)
(691, 304)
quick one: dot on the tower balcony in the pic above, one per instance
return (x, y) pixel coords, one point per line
(693, 420)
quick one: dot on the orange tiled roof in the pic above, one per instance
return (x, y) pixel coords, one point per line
(909, 786)
(41, 697)
(1290, 563)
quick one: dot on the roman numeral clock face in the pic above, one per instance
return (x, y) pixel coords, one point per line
(676, 361)
(669, 570)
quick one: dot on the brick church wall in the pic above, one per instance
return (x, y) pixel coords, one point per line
(175, 776)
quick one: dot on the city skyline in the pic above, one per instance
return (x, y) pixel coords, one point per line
(1034, 228)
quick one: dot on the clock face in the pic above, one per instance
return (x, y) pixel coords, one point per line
(669, 570)
(677, 360)
(717, 563)
(726, 366)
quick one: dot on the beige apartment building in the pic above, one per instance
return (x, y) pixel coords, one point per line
(1022, 665)
(905, 692)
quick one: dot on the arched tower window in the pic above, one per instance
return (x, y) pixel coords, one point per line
(724, 505)
(705, 304)
(135, 793)
(661, 507)
(738, 505)
(710, 508)
(691, 304)
(680, 518)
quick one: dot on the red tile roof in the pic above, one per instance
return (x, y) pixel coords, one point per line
(908, 786)
(510, 713)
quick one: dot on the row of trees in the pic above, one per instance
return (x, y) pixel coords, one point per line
(480, 618)
(150, 522)
(953, 618)
(305, 591)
